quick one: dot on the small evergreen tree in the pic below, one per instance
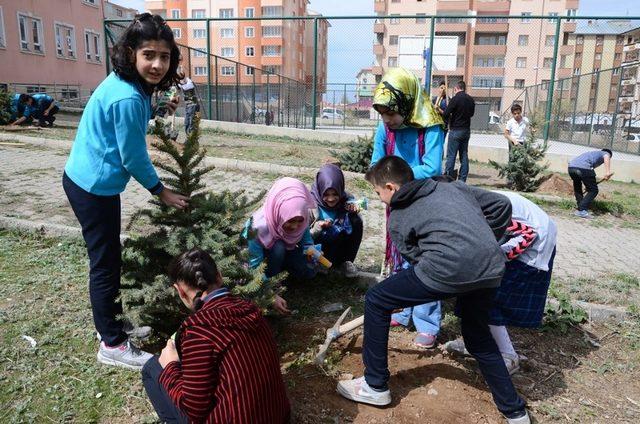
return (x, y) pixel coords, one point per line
(523, 171)
(5, 107)
(211, 221)
(357, 157)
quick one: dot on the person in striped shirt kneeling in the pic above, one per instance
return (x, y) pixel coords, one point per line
(222, 366)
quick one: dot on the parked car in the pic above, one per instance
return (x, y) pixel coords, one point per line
(633, 138)
(332, 113)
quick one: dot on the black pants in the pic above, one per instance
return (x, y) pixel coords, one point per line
(588, 178)
(345, 246)
(405, 289)
(458, 144)
(50, 118)
(167, 411)
(99, 217)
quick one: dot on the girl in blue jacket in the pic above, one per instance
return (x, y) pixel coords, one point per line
(109, 148)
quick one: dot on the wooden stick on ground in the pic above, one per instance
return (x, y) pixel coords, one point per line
(336, 331)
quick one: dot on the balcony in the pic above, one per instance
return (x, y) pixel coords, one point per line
(380, 6)
(378, 49)
(625, 99)
(629, 81)
(631, 47)
(379, 28)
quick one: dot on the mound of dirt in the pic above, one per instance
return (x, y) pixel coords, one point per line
(555, 184)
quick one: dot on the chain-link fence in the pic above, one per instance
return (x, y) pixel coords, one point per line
(579, 74)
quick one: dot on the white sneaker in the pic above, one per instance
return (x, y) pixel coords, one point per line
(124, 355)
(358, 390)
(524, 419)
(512, 363)
(349, 269)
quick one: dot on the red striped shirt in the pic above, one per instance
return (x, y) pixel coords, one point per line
(229, 370)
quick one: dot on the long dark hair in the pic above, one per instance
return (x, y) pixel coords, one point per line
(144, 27)
(197, 269)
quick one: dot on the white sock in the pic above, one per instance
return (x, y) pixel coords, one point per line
(501, 336)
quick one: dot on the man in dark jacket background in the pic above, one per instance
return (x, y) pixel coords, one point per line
(448, 232)
(459, 112)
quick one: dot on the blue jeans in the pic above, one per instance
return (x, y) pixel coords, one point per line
(190, 113)
(458, 144)
(405, 289)
(426, 318)
(293, 261)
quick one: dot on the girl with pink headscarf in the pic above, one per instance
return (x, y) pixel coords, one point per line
(278, 233)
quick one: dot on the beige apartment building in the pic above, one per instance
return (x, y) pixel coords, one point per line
(247, 50)
(115, 11)
(630, 84)
(497, 57)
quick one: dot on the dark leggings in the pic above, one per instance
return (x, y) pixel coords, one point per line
(343, 247)
(167, 411)
(588, 178)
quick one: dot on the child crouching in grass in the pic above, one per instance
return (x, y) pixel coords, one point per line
(223, 366)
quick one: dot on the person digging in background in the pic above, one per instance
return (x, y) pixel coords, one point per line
(582, 171)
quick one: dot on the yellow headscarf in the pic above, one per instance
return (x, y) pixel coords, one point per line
(400, 91)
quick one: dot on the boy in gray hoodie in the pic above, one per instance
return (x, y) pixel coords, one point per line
(448, 232)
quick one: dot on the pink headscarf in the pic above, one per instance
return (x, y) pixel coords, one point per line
(288, 198)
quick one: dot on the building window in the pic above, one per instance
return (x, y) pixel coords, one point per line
(227, 52)
(226, 13)
(226, 33)
(272, 11)
(572, 12)
(249, 51)
(616, 71)
(198, 13)
(552, 17)
(394, 21)
(249, 12)
(393, 40)
(175, 13)
(271, 31)
(250, 32)
(119, 13)
(549, 40)
(487, 82)
(460, 61)
(199, 53)
(519, 83)
(199, 33)
(525, 17)
(271, 51)
(599, 40)
(620, 40)
(521, 62)
(563, 60)
(249, 70)
(578, 57)
(598, 56)
(617, 56)
(576, 71)
(200, 70)
(3, 39)
(31, 39)
(392, 61)
(488, 61)
(271, 69)
(491, 39)
(523, 40)
(228, 70)
(92, 46)
(580, 39)
(547, 62)
(545, 84)
(65, 41)
(91, 2)
(421, 20)
(177, 33)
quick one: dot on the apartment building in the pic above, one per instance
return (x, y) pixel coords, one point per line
(598, 54)
(115, 11)
(55, 46)
(497, 57)
(247, 51)
(630, 84)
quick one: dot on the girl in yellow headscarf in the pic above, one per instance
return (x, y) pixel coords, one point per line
(413, 130)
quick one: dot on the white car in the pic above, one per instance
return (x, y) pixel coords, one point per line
(633, 138)
(332, 113)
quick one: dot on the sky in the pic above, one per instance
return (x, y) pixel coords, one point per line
(351, 41)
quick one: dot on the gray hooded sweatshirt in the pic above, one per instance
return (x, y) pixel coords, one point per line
(448, 232)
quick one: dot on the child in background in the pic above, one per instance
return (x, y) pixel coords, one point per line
(516, 130)
(223, 366)
(522, 295)
(278, 234)
(43, 108)
(110, 147)
(582, 171)
(413, 130)
(452, 255)
(191, 104)
(18, 102)
(336, 224)
(440, 103)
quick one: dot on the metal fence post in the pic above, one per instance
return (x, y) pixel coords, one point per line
(279, 97)
(237, 93)
(593, 109)
(615, 114)
(253, 97)
(551, 87)
(344, 108)
(217, 89)
(107, 57)
(315, 73)
(575, 107)
(267, 109)
(429, 72)
(209, 69)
